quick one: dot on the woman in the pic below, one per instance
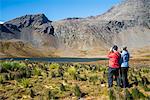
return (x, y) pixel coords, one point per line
(114, 66)
(124, 66)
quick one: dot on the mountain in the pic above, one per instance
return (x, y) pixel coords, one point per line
(124, 24)
(36, 29)
(127, 24)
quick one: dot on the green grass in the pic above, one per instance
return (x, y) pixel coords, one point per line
(24, 83)
(12, 66)
(1, 79)
(34, 80)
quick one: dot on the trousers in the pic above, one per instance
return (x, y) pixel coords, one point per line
(124, 76)
(113, 72)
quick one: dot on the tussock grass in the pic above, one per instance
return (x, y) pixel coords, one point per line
(33, 80)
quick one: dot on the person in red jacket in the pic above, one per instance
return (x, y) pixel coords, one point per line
(114, 66)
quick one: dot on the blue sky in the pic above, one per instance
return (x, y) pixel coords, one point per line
(54, 9)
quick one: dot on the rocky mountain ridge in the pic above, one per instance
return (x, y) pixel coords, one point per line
(125, 24)
(36, 29)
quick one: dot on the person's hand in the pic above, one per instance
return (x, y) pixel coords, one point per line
(111, 49)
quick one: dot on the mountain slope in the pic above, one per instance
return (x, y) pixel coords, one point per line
(34, 32)
(138, 10)
(35, 29)
(18, 48)
(125, 24)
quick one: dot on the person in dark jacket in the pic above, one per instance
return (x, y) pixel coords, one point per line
(114, 66)
(124, 66)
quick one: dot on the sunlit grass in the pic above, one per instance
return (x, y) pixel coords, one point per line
(67, 80)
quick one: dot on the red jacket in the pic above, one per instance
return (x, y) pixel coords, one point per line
(114, 58)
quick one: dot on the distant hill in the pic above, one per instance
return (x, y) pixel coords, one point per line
(127, 24)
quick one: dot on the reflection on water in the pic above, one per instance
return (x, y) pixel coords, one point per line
(57, 59)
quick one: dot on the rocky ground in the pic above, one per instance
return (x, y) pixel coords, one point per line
(40, 80)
